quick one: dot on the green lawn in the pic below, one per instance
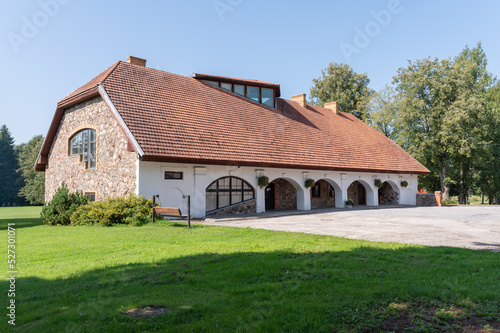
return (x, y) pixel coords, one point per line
(217, 279)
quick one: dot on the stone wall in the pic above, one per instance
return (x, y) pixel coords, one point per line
(426, 199)
(115, 171)
(243, 208)
(387, 196)
(286, 194)
(325, 201)
(352, 192)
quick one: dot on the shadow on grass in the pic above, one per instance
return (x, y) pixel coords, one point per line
(366, 289)
(20, 223)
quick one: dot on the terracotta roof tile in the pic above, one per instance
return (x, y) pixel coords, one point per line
(180, 118)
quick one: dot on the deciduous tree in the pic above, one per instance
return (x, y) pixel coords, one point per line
(340, 83)
(34, 182)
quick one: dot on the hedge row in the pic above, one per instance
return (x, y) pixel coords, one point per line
(67, 208)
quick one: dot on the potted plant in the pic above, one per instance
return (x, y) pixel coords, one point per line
(378, 183)
(309, 183)
(404, 183)
(263, 181)
(349, 203)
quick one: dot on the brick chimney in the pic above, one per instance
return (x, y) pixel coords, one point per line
(301, 99)
(136, 61)
(334, 106)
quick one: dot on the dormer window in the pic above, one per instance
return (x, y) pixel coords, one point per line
(83, 143)
(258, 91)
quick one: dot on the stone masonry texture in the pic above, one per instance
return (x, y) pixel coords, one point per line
(115, 171)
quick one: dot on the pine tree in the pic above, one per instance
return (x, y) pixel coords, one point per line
(10, 180)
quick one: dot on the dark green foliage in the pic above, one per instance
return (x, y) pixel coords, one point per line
(58, 211)
(34, 182)
(131, 210)
(339, 83)
(309, 183)
(447, 121)
(263, 181)
(11, 181)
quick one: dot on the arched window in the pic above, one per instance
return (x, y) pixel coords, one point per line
(227, 191)
(83, 144)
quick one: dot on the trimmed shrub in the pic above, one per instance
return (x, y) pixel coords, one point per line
(131, 210)
(58, 211)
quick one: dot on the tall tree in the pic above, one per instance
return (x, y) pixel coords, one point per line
(34, 182)
(383, 112)
(489, 172)
(427, 89)
(10, 181)
(340, 83)
(466, 119)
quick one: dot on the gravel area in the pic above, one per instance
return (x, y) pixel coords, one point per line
(473, 227)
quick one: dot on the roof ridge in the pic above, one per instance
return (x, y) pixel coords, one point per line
(115, 65)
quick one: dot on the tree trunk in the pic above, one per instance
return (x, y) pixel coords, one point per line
(469, 180)
(445, 190)
(461, 196)
(482, 198)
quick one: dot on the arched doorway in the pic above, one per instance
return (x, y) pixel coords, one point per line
(387, 195)
(322, 195)
(357, 193)
(284, 194)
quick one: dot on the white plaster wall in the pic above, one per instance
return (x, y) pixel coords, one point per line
(196, 178)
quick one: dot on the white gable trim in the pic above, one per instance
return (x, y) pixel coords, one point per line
(120, 120)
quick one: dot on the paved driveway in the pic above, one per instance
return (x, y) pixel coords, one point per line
(474, 227)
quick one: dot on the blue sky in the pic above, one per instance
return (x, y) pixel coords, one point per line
(287, 42)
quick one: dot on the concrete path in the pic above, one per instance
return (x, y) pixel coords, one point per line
(473, 227)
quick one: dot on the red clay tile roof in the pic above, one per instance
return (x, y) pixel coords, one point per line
(180, 119)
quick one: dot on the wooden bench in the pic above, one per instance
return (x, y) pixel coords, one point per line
(172, 212)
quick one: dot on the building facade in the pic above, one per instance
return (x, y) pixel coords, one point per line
(138, 130)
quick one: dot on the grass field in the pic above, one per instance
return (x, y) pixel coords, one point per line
(217, 279)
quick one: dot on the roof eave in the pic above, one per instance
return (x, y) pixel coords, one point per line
(174, 159)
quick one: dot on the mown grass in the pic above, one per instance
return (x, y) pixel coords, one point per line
(218, 279)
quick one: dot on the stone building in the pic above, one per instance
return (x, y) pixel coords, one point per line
(134, 129)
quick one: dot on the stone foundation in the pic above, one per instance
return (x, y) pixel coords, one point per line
(426, 199)
(243, 208)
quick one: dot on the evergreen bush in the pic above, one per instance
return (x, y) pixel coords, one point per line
(58, 211)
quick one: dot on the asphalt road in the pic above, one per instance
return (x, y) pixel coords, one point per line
(473, 227)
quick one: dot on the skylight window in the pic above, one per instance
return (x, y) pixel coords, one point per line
(239, 89)
(267, 97)
(253, 93)
(256, 93)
